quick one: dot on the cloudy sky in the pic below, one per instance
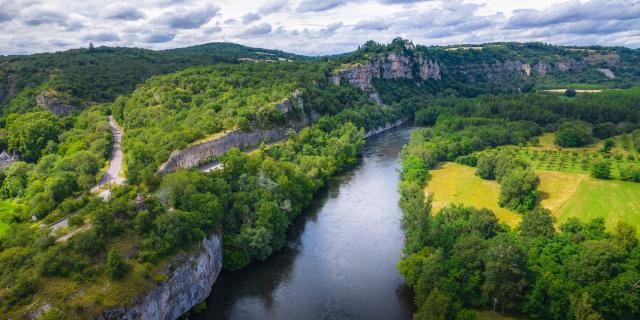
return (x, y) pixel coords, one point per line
(312, 27)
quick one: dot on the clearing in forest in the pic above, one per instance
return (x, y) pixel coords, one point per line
(565, 194)
(453, 183)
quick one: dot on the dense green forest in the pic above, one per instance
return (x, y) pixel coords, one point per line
(462, 258)
(169, 112)
(166, 100)
(103, 73)
(251, 201)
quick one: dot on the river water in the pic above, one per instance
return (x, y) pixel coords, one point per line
(341, 256)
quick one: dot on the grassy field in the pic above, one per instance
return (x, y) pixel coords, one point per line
(6, 208)
(454, 183)
(565, 194)
(613, 200)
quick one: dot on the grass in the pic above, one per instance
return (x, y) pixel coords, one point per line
(6, 209)
(565, 194)
(612, 200)
(549, 157)
(454, 183)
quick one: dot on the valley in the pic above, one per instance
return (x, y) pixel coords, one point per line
(222, 181)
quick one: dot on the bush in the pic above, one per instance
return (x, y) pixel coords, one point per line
(518, 189)
(601, 170)
(630, 173)
(604, 130)
(486, 167)
(469, 160)
(570, 92)
(608, 145)
(116, 266)
(574, 134)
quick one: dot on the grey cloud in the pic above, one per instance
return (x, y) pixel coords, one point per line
(102, 37)
(258, 30)
(575, 11)
(58, 43)
(231, 21)
(378, 25)
(212, 30)
(250, 17)
(331, 28)
(593, 27)
(271, 6)
(6, 16)
(34, 16)
(188, 17)
(159, 37)
(314, 5)
(122, 12)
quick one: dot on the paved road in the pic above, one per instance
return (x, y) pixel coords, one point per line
(112, 175)
(115, 163)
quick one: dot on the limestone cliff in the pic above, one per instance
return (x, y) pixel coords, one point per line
(390, 66)
(188, 284)
(198, 153)
(414, 65)
(56, 104)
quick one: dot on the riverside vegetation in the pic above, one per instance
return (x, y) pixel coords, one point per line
(460, 259)
(122, 247)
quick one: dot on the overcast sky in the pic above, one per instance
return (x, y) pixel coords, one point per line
(310, 26)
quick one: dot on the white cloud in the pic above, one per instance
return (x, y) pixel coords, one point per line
(311, 26)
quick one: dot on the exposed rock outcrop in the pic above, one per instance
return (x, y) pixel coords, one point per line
(197, 154)
(387, 126)
(413, 65)
(607, 73)
(188, 284)
(393, 65)
(56, 105)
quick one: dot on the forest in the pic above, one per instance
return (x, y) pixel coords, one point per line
(460, 259)
(101, 74)
(457, 260)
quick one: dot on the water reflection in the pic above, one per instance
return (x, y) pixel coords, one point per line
(341, 254)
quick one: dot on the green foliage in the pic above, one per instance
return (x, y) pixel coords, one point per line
(116, 266)
(518, 189)
(103, 73)
(463, 258)
(608, 144)
(574, 134)
(30, 133)
(604, 130)
(601, 170)
(537, 223)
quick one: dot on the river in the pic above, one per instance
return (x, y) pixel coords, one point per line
(341, 255)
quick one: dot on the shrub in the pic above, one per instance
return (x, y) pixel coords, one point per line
(570, 92)
(116, 266)
(601, 170)
(574, 134)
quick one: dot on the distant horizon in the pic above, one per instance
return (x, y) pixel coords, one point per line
(311, 55)
(311, 27)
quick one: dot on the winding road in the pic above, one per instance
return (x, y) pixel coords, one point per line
(112, 176)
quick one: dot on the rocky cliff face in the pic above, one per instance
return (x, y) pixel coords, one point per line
(195, 155)
(56, 105)
(415, 66)
(390, 66)
(189, 284)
